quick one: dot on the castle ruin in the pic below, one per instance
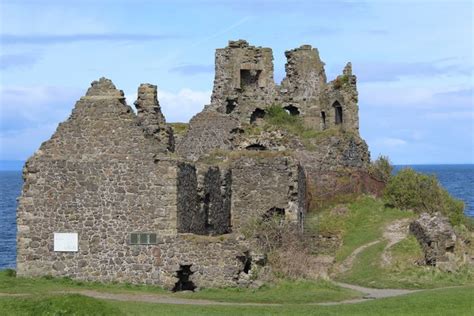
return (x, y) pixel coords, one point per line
(116, 195)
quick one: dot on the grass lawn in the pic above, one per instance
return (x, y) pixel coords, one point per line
(284, 292)
(281, 292)
(11, 284)
(451, 301)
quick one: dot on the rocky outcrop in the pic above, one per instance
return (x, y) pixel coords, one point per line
(436, 236)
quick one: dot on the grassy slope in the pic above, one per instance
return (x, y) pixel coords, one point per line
(451, 301)
(363, 224)
(368, 272)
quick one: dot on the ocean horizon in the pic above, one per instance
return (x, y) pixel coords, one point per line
(458, 179)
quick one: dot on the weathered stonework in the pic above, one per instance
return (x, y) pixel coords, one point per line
(436, 236)
(149, 207)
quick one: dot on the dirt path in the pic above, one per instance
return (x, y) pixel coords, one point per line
(369, 294)
(346, 265)
(394, 232)
(157, 298)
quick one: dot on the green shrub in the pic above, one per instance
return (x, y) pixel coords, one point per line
(277, 115)
(422, 193)
(10, 273)
(381, 168)
(341, 81)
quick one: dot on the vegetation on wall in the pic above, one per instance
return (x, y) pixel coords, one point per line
(340, 81)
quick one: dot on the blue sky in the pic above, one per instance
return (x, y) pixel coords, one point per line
(414, 61)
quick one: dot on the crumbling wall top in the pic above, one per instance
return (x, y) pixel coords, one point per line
(104, 88)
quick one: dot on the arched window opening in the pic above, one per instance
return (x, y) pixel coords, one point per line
(338, 113)
(292, 110)
(323, 120)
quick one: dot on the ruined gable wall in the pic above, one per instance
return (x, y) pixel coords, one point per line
(97, 176)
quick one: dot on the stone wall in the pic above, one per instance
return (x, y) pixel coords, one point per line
(207, 131)
(262, 184)
(96, 176)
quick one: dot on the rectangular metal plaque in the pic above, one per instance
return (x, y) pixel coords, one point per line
(66, 242)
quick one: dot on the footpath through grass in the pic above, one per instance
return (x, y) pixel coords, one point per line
(363, 223)
(450, 301)
(283, 292)
(367, 270)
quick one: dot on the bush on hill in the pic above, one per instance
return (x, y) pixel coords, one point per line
(381, 168)
(409, 189)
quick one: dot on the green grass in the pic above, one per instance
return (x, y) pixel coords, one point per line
(11, 284)
(450, 301)
(284, 292)
(71, 304)
(367, 270)
(179, 128)
(363, 223)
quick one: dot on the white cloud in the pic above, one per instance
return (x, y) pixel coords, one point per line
(29, 115)
(454, 115)
(415, 97)
(27, 106)
(390, 142)
(180, 106)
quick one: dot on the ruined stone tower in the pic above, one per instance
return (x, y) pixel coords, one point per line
(115, 196)
(244, 87)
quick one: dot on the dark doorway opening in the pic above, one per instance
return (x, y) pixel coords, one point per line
(249, 78)
(292, 110)
(246, 259)
(257, 115)
(256, 147)
(183, 275)
(323, 119)
(338, 113)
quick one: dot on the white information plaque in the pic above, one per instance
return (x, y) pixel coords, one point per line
(65, 242)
